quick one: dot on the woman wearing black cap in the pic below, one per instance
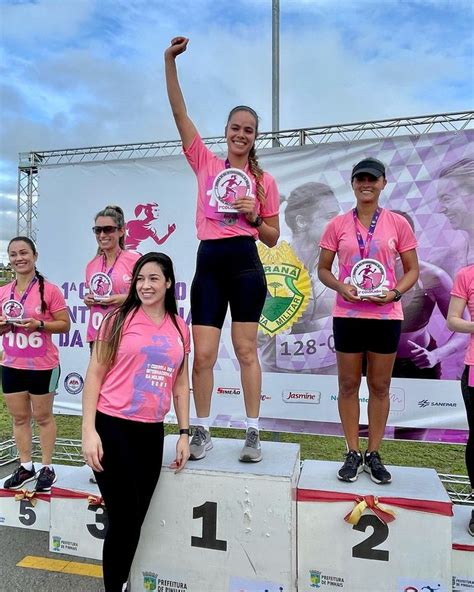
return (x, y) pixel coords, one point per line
(368, 313)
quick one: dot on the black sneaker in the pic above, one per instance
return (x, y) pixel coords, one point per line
(352, 466)
(19, 478)
(46, 477)
(470, 526)
(374, 465)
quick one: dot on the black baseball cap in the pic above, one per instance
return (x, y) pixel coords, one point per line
(371, 166)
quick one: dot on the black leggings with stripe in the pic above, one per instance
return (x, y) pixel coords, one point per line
(133, 454)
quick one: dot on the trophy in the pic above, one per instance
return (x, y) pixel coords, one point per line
(100, 286)
(228, 186)
(368, 276)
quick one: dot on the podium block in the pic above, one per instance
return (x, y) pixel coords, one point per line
(379, 553)
(78, 517)
(463, 550)
(221, 525)
(24, 508)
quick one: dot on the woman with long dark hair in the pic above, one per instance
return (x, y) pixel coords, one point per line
(140, 360)
(32, 309)
(228, 269)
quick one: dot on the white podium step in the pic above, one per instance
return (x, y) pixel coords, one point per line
(222, 525)
(463, 550)
(409, 554)
(78, 519)
(24, 508)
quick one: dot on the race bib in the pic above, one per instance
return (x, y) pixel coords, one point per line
(20, 344)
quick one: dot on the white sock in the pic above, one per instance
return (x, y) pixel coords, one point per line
(252, 422)
(205, 422)
(27, 465)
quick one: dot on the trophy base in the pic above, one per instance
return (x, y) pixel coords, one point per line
(368, 293)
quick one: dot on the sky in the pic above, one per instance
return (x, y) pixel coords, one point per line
(77, 73)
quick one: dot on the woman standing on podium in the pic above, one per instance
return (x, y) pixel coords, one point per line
(368, 313)
(462, 296)
(228, 268)
(110, 270)
(31, 311)
(140, 359)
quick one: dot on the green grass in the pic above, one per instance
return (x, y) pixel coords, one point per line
(444, 458)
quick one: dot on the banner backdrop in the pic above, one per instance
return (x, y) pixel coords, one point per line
(295, 339)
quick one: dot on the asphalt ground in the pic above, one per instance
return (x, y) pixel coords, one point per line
(20, 544)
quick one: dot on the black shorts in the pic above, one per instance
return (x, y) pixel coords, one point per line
(35, 382)
(228, 272)
(354, 335)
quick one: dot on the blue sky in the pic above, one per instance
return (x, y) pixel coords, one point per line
(90, 72)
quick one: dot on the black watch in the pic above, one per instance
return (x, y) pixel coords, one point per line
(257, 222)
(184, 431)
(398, 295)
(41, 325)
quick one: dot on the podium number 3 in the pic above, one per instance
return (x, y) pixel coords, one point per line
(208, 540)
(100, 518)
(365, 549)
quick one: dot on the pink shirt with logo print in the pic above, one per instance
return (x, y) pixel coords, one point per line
(210, 223)
(121, 277)
(393, 235)
(140, 383)
(463, 287)
(32, 350)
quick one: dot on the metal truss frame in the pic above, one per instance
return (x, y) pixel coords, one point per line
(31, 162)
(28, 194)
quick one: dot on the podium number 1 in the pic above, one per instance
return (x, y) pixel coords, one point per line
(208, 513)
(365, 549)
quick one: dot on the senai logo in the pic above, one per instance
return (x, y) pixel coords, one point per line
(74, 383)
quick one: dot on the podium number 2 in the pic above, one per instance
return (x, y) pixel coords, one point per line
(100, 518)
(365, 549)
(208, 513)
(27, 515)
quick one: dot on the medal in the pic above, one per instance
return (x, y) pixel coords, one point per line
(229, 185)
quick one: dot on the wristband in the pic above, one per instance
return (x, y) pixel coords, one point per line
(398, 295)
(184, 431)
(257, 222)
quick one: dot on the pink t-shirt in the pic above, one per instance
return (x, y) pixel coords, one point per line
(464, 288)
(210, 223)
(140, 383)
(121, 277)
(392, 235)
(32, 350)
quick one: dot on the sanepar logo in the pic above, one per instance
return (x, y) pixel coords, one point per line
(292, 396)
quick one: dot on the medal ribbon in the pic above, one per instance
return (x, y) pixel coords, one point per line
(104, 264)
(25, 293)
(364, 248)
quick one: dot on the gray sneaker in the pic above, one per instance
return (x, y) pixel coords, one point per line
(251, 451)
(200, 443)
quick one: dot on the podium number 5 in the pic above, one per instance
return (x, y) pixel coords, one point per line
(208, 513)
(27, 515)
(365, 549)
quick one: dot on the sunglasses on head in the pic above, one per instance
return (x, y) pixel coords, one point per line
(105, 229)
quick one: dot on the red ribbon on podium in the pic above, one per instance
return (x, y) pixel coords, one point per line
(21, 494)
(94, 500)
(373, 503)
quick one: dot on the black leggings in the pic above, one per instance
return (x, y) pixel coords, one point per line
(133, 453)
(468, 396)
(228, 273)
